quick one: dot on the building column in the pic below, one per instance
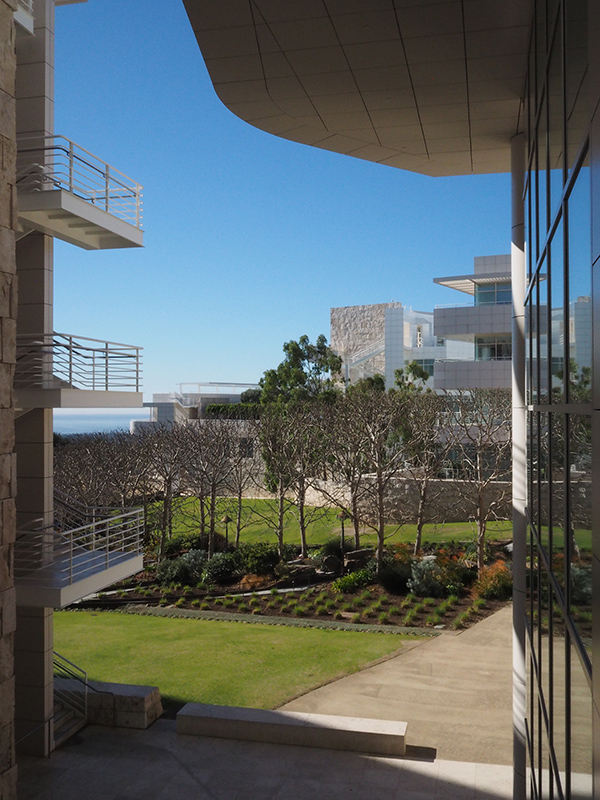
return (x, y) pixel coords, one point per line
(34, 427)
(519, 464)
(8, 313)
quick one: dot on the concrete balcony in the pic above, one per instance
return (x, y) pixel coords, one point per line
(23, 16)
(54, 568)
(59, 370)
(67, 192)
(473, 374)
(455, 322)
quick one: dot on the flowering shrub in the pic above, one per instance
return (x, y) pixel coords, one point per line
(495, 582)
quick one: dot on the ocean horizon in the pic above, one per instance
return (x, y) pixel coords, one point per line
(93, 422)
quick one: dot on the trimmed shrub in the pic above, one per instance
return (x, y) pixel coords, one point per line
(581, 585)
(394, 575)
(221, 568)
(352, 582)
(495, 582)
(424, 579)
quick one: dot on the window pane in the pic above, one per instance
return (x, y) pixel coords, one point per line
(557, 316)
(580, 525)
(580, 290)
(576, 81)
(581, 729)
(555, 122)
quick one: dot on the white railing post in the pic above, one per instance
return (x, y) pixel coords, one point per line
(137, 369)
(107, 186)
(70, 341)
(106, 367)
(107, 542)
(70, 166)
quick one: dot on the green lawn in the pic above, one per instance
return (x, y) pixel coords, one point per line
(325, 525)
(227, 663)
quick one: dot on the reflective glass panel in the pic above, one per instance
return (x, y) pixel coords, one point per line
(557, 324)
(580, 290)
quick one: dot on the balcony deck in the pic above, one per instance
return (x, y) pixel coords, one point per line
(54, 569)
(67, 192)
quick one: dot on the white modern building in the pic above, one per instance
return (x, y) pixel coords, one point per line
(484, 326)
(189, 403)
(384, 337)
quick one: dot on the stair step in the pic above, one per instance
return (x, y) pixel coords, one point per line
(66, 731)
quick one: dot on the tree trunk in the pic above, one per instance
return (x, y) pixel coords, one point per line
(211, 520)
(355, 522)
(238, 519)
(380, 523)
(481, 527)
(420, 517)
(302, 518)
(280, 514)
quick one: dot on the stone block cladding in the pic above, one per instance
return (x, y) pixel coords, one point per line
(8, 314)
(357, 328)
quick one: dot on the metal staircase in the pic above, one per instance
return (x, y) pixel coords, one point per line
(70, 699)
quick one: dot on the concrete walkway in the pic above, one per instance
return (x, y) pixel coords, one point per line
(454, 691)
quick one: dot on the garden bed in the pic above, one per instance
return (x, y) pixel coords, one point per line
(371, 605)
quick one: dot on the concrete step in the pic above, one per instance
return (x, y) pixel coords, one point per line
(68, 729)
(381, 737)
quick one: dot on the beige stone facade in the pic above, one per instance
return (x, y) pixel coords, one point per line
(8, 313)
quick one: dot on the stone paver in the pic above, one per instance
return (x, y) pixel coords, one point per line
(157, 764)
(453, 691)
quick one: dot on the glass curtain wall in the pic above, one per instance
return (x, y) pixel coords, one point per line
(557, 203)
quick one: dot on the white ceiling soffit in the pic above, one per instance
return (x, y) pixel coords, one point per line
(431, 86)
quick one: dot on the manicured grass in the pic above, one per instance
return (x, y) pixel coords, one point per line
(325, 525)
(203, 661)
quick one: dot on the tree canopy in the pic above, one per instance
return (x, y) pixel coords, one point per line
(307, 371)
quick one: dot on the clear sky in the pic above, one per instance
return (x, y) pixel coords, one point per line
(250, 239)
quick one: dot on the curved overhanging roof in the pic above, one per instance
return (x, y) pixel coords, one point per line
(431, 86)
(467, 283)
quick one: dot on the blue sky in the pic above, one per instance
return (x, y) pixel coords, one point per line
(250, 239)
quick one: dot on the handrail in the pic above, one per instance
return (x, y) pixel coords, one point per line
(45, 557)
(62, 360)
(55, 162)
(77, 701)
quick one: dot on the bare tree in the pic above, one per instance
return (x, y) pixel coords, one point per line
(426, 443)
(345, 461)
(278, 447)
(207, 466)
(480, 421)
(245, 470)
(376, 417)
(165, 449)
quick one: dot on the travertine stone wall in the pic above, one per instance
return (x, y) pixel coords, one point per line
(8, 313)
(354, 328)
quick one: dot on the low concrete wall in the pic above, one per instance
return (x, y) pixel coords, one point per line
(448, 500)
(120, 705)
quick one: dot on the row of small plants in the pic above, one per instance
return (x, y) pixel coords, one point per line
(370, 606)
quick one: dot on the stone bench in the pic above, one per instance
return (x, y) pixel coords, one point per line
(381, 737)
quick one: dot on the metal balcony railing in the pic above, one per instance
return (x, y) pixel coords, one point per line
(54, 162)
(46, 558)
(61, 360)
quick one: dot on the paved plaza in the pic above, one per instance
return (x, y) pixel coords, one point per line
(454, 691)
